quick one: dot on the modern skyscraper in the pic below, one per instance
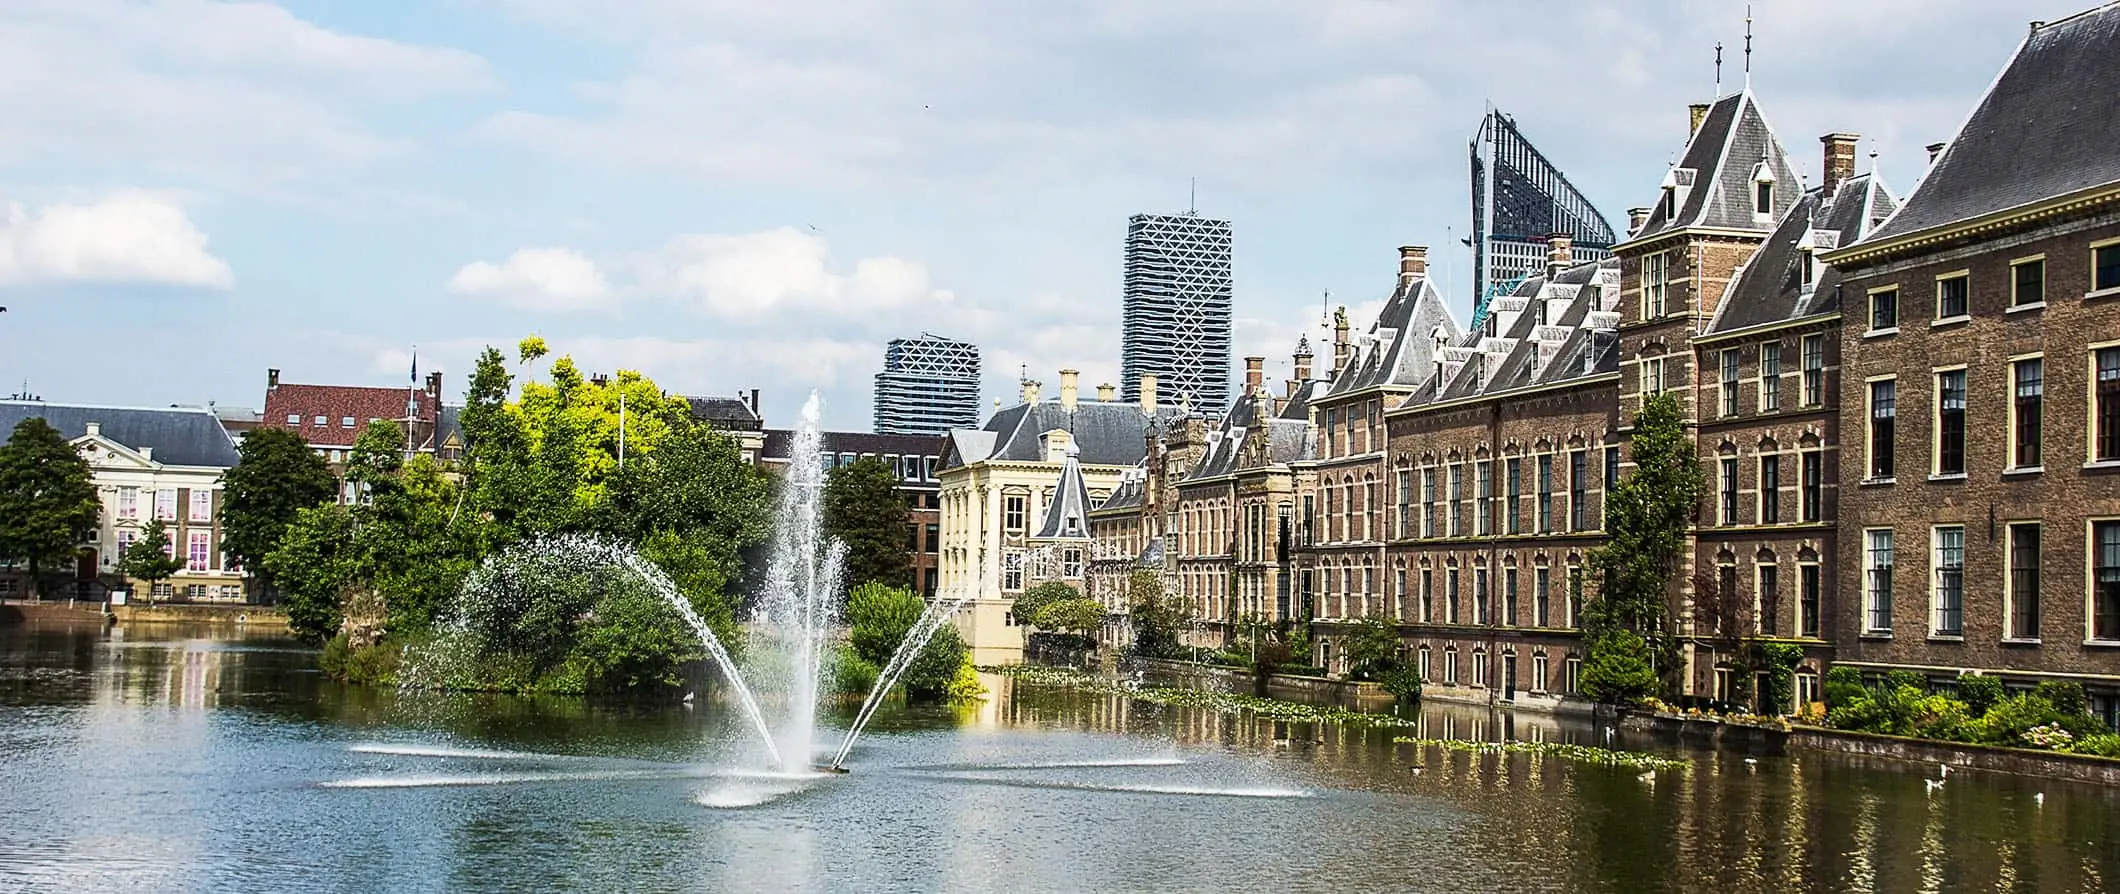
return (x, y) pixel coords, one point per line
(928, 386)
(1176, 320)
(1518, 199)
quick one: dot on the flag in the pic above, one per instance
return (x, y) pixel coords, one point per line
(415, 365)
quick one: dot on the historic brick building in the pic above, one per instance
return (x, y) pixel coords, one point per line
(1980, 496)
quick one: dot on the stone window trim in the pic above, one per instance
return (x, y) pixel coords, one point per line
(2025, 394)
(2092, 458)
(1964, 297)
(1883, 310)
(2021, 583)
(2092, 568)
(2103, 249)
(1940, 433)
(2018, 266)
(1869, 424)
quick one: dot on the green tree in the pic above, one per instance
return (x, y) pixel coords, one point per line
(1158, 619)
(1372, 649)
(150, 559)
(316, 565)
(1617, 670)
(1078, 616)
(863, 509)
(1033, 600)
(878, 618)
(275, 477)
(48, 502)
(1647, 515)
(938, 665)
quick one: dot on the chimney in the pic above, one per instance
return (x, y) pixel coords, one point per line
(1030, 391)
(1341, 350)
(600, 380)
(1839, 160)
(1636, 217)
(1068, 390)
(754, 404)
(147, 453)
(1413, 262)
(272, 379)
(94, 429)
(434, 388)
(1148, 393)
(1254, 374)
(1559, 252)
(2036, 25)
(1935, 149)
(1698, 112)
(1302, 367)
(1107, 392)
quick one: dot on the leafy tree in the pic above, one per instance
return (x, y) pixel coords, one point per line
(1158, 619)
(275, 477)
(48, 502)
(937, 667)
(150, 559)
(1372, 649)
(862, 509)
(530, 348)
(1083, 617)
(1646, 518)
(878, 618)
(1617, 670)
(1033, 600)
(377, 455)
(316, 564)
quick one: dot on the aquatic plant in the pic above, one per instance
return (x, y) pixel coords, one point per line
(1222, 702)
(1604, 757)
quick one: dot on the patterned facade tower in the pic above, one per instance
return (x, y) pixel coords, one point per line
(1176, 319)
(1518, 199)
(928, 386)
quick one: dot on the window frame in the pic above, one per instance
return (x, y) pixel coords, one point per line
(1877, 581)
(2017, 284)
(1889, 469)
(2094, 577)
(1946, 582)
(1947, 438)
(2021, 581)
(2104, 250)
(1889, 296)
(1814, 378)
(2102, 404)
(1811, 493)
(1726, 490)
(1729, 372)
(1770, 377)
(1963, 280)
(1810, 595)
(2024, 440)
(1769, 487)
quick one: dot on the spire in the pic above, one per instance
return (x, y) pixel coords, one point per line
(1748, 46)
(1067, 517)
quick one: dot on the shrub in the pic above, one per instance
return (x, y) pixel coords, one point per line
(1618, 671)
(1034, 600)
(878, 618)
(376, 665)
(933, 671)
(1843, 685)
(851, 673)
(1404, 684)
(1979, 693)
(1077, 615)
(1940, 717)
(2066, 697)
(2009, 719)
(1906, 679)
(965, 687)
(2100, 744)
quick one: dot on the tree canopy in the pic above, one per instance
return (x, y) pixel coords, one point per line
(150, 557)
(862, 509)
(1646, 518)
(48, 502)
(275, 477)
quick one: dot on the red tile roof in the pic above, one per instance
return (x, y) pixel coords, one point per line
(337, 402)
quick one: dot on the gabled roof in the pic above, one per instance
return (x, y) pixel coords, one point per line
(1716, 175)
(725, 413)
(1286, 439)
(1581, 334)
(1770, 288)
(179, 436)
(1133, 485)
(1108, 433)
(779, 444)
(1399, 348)
(336, 404)
(1067, 516)
(2045, 129)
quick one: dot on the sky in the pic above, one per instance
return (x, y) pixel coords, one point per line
(735, 195)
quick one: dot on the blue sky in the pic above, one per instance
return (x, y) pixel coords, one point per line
(736, 195)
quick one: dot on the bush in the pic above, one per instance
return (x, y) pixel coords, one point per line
(1979, 693)
(1906, 679)
(376, 665)
(1034, 600)
(1940, 717)
(1843, 685)
(1404, 684)
(851, 674)
(2008, 721)
(2066, 697)
(965, 687)
(936, 667)
(1618, 670)
(878, 618)
(1077, 615)
(2100, 744)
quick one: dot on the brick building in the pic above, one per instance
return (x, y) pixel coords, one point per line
(911, 457)
(1980, 499)
(330, 417)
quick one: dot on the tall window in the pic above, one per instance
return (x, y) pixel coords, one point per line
(1479, 596)
(1310, 519)
(2105, 402)
(1428, 513)
(1611, 479)
(1515, 491)
(166, 505)
(1950, 297)
(1575, 596)
(2028, 282)
(1579, 490)
(128, 502)
(1814, 487)
(1769, 596)
(2105, 579)
(1884, 309)
(1545, 492)
(2024, 580)
(1763, 197)
(198, 554)
(1405, 482)
(1884, 411)
(1457, 500)
(201, 509)
(1372, 523)
(1727, 383)
(1509, 615)
(1769, 489)
(1947, 588)
(1012, 570)
(1071, 563)
(1450, 593)
(1013, 511)
(1950, 423)
(1484, 493)
(1877, 582)
(1541, 596)
(1814, 370)
(2105, 268)
(1652, 375)
(1770, 377)
(1538, 672)
(1807, 599)
(1728, 501)
(1427, 595)
(1656, 284)
(2029, 389)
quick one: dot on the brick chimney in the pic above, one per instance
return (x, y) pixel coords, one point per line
(1254, 374)
(1302, 367)
(754, 405)
(1559, 252)
(1698, 112)
(1068, 389)
(1107, 392)
(1413, 262)
(1636, 217)
(434, 390)
(1935, 149)
(1148, 393)
(1839, 160)
(1341, 350)
(1030, 391)
(272, 380)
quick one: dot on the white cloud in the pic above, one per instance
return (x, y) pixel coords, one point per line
(537, 279)
(755, 275)
(129, 237)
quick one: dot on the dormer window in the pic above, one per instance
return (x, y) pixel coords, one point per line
(1763, 189)
(1807, 258)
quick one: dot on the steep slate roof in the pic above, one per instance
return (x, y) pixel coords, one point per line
(1286, 439)
(1067, 516)
(336, 403)
(1108, 433)
(1770, 287)
(2045, 129)
(1399, 348)
(1133, 486)
(179, 436)
(725, 413)
(1585, 294)
(1714, 176)
(779, 445)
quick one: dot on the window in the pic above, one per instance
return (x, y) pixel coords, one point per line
(128, 502)
(1428, 513)
(1727, 384)
(934, 537)
(1405, 482)
(1479, 667)
(2029, 388)
(1947, 588)
(1884, 411)
(166, 505)
(1727, 513)
(1884, 310)
(1013, 511)
(1814, 370)
(2105, 404)
(1427, 595)
(1769, 489)
(1012, 570)
(1807, 594)
(2105, 580)
(1485, 495)
(1652, 375)
(1398, 594)
(1579, 490)
(1545, 492)
(1575, 596)
(126, 536)
(1515, 495)
(1541, 601)
(1509, 616)
(1950, 422)
(2105, 268)
(199, 551)
(294, 419)
(1763, 197)
(1479, 596)
(1770, 377)
(320, 419)
(1769, 596)
(1457, 499)
(1071, 563)
(1538, 672)
(2024, 580)
(1950, 296)
(1814, 486)
(1310, 518)
(1611, 479)
(1450, 666)
(1573, 669)
(201, 506)
(345, 421)
(1656, 283)
(2028, 283)
(1877, 581)
(1423, 663)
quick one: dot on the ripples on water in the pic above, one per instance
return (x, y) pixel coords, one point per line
(134, 762)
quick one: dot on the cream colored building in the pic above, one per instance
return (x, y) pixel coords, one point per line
(997, 483)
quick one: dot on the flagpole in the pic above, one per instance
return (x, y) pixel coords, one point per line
(412, 400)
(622, 428)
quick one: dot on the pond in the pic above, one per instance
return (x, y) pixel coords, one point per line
(169, 759)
